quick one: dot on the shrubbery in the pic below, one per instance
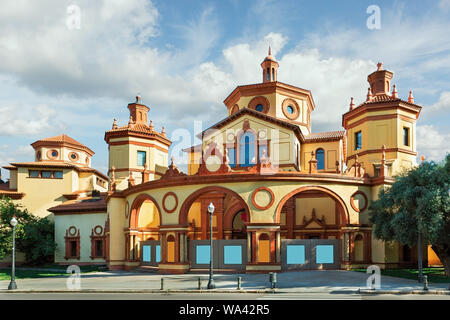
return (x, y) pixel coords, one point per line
(34, 235)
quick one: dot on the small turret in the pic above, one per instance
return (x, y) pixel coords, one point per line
(270, 67)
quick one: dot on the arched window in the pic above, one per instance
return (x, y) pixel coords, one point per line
(268, 74)
(320, 157)
(247, 148)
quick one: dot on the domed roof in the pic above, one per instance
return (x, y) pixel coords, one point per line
(270, 57)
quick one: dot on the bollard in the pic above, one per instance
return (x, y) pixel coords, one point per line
(199, 283)
(239, 280)
(162, 283)
(273, 279)
(425, 283)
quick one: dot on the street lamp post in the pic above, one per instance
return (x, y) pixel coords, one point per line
(211, 284)
(12, 284)
(419, 257)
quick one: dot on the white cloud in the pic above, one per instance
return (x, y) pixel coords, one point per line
(431, 143)
(441, 107)
(18, 119)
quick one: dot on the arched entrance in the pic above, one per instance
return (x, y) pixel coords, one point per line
(311, 221)
(142, 234)
(228, 224)
(194, 214)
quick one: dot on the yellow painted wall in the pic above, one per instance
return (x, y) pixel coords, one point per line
(322, 206)
(433, 259)
(118, 221)
(42, 194)
(389, 132)
(148, 215)
(333, 153)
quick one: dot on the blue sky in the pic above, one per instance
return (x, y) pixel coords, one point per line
(185, 57)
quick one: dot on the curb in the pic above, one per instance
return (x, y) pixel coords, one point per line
(421, 292)
(141, 291)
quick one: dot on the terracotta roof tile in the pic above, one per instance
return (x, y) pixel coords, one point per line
(62, 139)
(325, 136)
(384, 98)
(83, 204)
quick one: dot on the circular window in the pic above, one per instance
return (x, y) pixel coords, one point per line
(260, 104)
(73, 156)
(290, 109)
(52, 154)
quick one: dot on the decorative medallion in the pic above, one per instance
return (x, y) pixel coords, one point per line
(262, 198)
(98, 230)
(262, 134)
(170, 202)
(359, 201)
(72, 231)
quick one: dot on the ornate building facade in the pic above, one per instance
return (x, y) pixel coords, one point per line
(284, 197)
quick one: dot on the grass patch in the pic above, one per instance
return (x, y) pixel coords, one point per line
(436, 275)
(44, 271)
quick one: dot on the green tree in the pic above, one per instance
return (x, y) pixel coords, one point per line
(418, 201)
(34, 235)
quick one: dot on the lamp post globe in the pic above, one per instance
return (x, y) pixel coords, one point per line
(211, 208)
(211, 284)
(13, 221)
(12, 284)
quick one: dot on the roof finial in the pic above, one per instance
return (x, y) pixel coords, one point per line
(369, 95)
(163, 132)
(270, 51)
(394, 92)
(379, 65)
(138, 98)
(352, 104)
(114, 126)
(410, 98)
(151, 125)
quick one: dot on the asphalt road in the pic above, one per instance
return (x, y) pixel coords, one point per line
(216, 296)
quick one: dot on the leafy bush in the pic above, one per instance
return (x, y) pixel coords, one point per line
(34, 235)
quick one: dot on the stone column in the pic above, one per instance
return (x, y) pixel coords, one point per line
(278, 247)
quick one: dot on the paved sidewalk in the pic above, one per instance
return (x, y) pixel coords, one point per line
(302, 281)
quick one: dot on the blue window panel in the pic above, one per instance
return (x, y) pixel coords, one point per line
(247, 149)
(203, 254)
(231, 157)
(57, 174)
(325, 254)
(232, 254)
(158, 253)
(295, 254)
(358, 143)
(259, 108)
(141, 158)
(46, 174)
(320, 157)
(147, 253)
